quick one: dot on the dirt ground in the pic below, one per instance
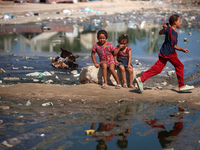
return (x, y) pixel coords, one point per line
(23, 11)
(85, 97)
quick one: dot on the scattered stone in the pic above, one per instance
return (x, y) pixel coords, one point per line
(66, 79)
(28, 103)
(1, 122)
(186, 40)
(171, 73)
(4, 107)
(57, 77)
(164, 83)
(36, 80)
(2, 71)
(11, 78)
(15, 68)
(74, 72)
(20, 117)
(49, 81)
(6, 144)
(47, 104)
(52, 72)
(159, 87)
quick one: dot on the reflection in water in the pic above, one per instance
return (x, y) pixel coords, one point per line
(117, 127)
(117, 124)
(76, 38)
(164, 136)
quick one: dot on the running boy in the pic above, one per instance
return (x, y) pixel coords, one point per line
(168, 53)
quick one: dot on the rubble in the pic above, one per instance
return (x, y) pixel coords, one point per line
(67, 60)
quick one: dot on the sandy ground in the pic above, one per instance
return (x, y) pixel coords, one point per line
(22, 11)
(86, 96)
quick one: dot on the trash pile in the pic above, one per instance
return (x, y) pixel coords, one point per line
(67, 60)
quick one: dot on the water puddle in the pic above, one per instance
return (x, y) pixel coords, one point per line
(128, 126)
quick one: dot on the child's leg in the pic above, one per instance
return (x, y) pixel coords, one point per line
(154, 70)
(179, 70)
(104, 66)
(122, 72)
(130, 72)
(112, 70)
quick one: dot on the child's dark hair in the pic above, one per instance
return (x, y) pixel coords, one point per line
(102, 32)
(123, 37)
(173, 18)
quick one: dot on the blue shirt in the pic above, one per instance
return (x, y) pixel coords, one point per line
(170, 40)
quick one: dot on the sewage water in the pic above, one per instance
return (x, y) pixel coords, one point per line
(129, 126)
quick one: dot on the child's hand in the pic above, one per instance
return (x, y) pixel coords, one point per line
(164, 25)
(116, 63)
(185, 50)
(129, 66)
(122, 47)
(96, 65)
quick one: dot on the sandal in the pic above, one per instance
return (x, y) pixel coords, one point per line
(132, 86)
(140, 85)
(104, 86)
(125, 86)
(118, 86)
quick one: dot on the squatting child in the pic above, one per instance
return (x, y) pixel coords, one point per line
(168, 53)
(105, 51)
(122, 55)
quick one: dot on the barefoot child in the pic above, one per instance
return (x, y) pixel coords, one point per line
(104, 50)
(122, 55)
(168, 53)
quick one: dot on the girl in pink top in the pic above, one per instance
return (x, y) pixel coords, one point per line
(105, 52)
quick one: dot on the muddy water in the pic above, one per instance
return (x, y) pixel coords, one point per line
(125, 126)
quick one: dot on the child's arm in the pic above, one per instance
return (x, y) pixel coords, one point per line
(116, 62)
(129, 59)
(116, 51)
(181, 49)
(163, 30)
(94, 60)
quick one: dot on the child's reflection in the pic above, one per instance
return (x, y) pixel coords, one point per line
(164, 136)
(102, 134)
(122, 142)
(122, 120)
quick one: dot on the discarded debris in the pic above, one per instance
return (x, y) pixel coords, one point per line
(2, 71)
(28, 103)
(6, 144)
(4, 107)
(89, 132)
(47, 104)
(39, 74)
(10, 78)
(66, 60)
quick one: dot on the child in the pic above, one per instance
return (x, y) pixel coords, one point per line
(122, 55)
(104, 50)
(168, 53)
